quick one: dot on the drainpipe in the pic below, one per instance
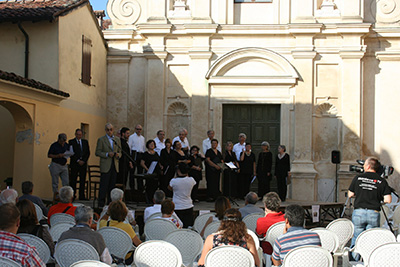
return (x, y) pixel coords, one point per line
(26, 49)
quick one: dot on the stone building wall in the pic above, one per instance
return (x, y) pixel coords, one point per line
(329, 64)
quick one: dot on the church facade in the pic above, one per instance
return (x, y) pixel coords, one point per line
(314, 75)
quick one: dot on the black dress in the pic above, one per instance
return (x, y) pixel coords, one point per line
(167, 160)
(152, 181)
(246, 172)
(212, 174)
(230, 186)
(282, 167)
(264, 166)
(196, 174)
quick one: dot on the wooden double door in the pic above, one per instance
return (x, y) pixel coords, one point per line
(260, 122)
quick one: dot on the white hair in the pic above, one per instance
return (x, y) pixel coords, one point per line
(8, 196)
(66, 194)
(116, 194)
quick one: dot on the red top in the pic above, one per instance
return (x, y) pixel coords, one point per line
(60, 208)
(262, 227)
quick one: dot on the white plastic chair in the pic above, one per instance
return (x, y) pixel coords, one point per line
(257, 243)
(39, 212)
(158, 229)
(188, 242)
(211, 228)
(201, 220)
(274, 231)
(366, 242)
(308, 256)
(251, 220)
(61, 218)
(344, 229)
(329, 240)
(117, 241)
(41, 247)
(387, 255)
(89, 263)
(5, 262)
(228, 256)
(157, 253)
(70, 251)
(58, 229)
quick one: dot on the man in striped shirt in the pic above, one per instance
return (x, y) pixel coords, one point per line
(294, 234)
(12, 246)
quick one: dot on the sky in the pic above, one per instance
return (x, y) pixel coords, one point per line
(100, 5)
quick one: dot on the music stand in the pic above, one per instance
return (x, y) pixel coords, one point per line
(230, 167)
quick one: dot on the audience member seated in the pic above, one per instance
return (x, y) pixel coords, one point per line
(8, 196)
(272, 204)
(82, 231)
(221, 205)
(250, 205)
(158, 198)
(181, 186)
(12, 246)
(65, 206)
(117, 194)
(27, 189)
(294, 234)
(167, 209)
(232, 231)
(117, 212)
(30, 225)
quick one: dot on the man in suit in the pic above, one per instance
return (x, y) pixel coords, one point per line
(125, 163)
(78, 162)
(108, 148)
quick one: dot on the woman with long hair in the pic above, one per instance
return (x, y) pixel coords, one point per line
(30, 225)
(232, 231)
(221, 205)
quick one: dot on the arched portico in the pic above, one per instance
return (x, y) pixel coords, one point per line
(22, 140)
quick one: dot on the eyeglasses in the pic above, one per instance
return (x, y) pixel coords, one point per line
(139, 129)
(109, 129)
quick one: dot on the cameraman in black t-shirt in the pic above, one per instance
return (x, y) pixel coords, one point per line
(369, 189)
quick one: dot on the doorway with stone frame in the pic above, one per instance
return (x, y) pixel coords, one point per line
(260, 122)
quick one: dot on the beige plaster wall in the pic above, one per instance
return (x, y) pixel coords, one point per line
(43, 47)
(48, 120)
(91, 97)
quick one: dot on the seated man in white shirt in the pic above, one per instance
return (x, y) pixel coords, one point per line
(158, 198)
(160, 142)
(182, 137)
(207, 142)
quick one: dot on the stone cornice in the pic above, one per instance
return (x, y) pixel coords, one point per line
(200, 54)
(147, 28)
(301, 54)
(119, 34)
(351, 54)
(388, 55)
(156, 55)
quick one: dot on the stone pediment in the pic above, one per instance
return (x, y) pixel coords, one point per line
(252, 65)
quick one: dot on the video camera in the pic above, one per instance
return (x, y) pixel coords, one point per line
(384, 170)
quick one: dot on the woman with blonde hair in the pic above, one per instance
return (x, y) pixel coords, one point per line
(232, 231)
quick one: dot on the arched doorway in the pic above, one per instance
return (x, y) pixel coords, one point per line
(16, 142)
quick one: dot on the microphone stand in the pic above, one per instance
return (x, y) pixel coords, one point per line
(126, 155)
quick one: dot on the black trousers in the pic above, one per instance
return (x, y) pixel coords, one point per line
(139, 168)
(197, 175)
(186, 217)
(78, 170)
(263, 184)
(107, 183)
(213, 181)
(282, 187)
(244, 182)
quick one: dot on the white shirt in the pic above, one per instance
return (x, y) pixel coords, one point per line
(182, 188)
(185, 143)
(159, 145)
(154, 209)
(207, 145)
(238, 148)
(137, 143)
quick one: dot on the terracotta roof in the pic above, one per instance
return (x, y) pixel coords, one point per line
(35, 10)
(12, 77)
